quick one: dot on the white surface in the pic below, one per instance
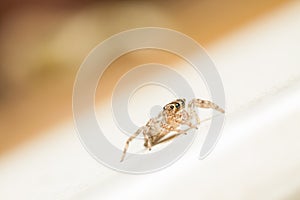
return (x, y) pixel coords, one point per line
(256, 158)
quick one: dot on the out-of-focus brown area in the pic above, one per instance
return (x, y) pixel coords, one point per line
(44, 42)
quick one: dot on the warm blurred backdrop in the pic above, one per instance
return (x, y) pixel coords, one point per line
(254, 45)
(44, 42)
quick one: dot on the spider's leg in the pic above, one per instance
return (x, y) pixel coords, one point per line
(179, 132)
(159, 136)
(129, 140)
(205, 104)
(193, 114)
(147, 140)
(188, 123)
(167, 139)
(150, 131)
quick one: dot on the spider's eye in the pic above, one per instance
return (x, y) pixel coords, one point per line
(172, 107)
(177, 105)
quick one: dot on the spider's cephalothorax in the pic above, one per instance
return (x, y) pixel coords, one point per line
(175, 106)
(170, 120)
(174, 113)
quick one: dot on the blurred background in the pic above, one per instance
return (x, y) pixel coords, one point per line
(43, 43)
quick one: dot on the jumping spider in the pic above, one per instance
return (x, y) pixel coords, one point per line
(173, 116)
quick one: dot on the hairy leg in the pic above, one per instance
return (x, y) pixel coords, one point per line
(156, 138)
(130, 139)
(205, 104)
(148, 143)
(179, 132)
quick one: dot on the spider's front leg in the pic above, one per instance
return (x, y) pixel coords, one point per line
(142, 129)
(188, 123)
(185, 118)
(201, 104)
(204, 104)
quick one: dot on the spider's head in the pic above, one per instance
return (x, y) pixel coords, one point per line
(175, 106)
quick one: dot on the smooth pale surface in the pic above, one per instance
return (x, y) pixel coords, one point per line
(256, 158)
